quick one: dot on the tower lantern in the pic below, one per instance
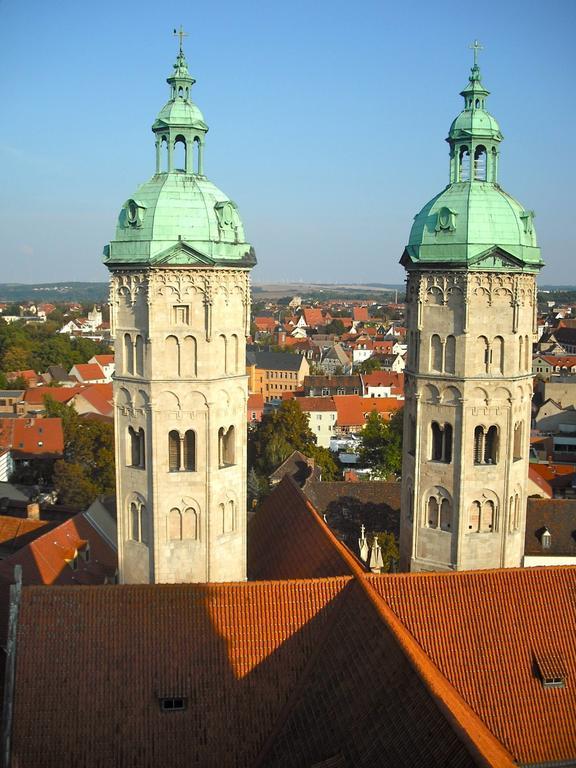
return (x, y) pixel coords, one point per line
(471, 264)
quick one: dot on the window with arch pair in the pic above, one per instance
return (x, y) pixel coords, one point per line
(136, 448)
(227, 516)
(480, 166)
(182, 525)
(486, 445)
(482, 516)
(138, 522)
(514, 512)
(441, 442)
(492, 354)
(442, 354)
(438, 513)
(133, 355)
(182, 451)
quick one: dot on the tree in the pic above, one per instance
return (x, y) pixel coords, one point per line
(369, 365)
(390, 552)
(381, 446)
(336, 327)
(324, 458)
(87, 469)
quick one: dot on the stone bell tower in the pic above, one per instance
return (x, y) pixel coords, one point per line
(180, 309)
(471, 265)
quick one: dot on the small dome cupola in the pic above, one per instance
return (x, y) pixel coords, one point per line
(180, 129)
(474, 135)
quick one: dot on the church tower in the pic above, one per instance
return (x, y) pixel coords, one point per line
(471, 265)
(180, 309)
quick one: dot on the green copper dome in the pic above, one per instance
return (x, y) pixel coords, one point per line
(473, 223)
(179, 217)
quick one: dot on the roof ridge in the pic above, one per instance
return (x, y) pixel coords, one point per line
(479, 740)
(481, 743)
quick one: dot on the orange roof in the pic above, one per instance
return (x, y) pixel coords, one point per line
(360, 314)
(353, 410)
(265, 323)
(487, 647)
(99, 396)
(47, 559)
(313, 316)
(551, 472)
(308, 404)
(566, 361)
(383, 379)
(35, 437)
(60, 394)
(16, 532)
(104, 359)
(88, 371)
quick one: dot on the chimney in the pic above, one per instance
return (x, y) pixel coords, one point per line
(33, 511)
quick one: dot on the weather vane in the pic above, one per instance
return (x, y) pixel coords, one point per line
(475, 47)
(181, 34)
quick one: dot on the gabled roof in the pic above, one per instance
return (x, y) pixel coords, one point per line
(60, 394)
(353, 410)
(99, 396)
(32, 437)
(275, 361)
(103, 359)
(312, 404)
(88, 372)
(17, 532)
(48, 559)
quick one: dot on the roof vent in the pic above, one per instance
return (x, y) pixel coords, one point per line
(550, 668)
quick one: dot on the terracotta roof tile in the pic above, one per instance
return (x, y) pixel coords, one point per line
(559, 517)
(288, 540)
(27, 436)
(60, 394)
(233, 652)
(481, 630)
(353, 410)
(17, 532)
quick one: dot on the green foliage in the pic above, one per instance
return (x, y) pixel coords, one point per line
(336, 327)
(39, 345)
(369, 366)
(88, 466)
(278, 435)
(381, 446)
(390, 551)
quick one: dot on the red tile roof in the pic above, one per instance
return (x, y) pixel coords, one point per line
(482, 631)
(32, 437)
(17, 532)
(314, 317)
(104, 359)
(99, 396)
(383, 379)
(47, 560)
(353, 410)
(60, 394)
(360, 314)
(88, 372)
(309, 404)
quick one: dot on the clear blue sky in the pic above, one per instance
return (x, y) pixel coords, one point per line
(327, 123)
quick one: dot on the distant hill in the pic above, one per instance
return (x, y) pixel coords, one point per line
(53, 292)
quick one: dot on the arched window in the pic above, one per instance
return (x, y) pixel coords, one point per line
(478, 445)
(527, 353)
(436, 353)
(520, 353)
(491, 446)
(139, 349)
(136, 448)
(432, 512)
(174, 462)
(174, 525)
(450, 355)
(226, 446)
(189, 357)
(447, 447)
(484, 353)
(190, 450)
(515, 512)
(445, 515)
(222, 508)
(464, 164)
(411, 435)
(437, 440)
(164, 154)
(485, 445)
(172, 356)
(517, 441)
(143, 524)
(128, 354)
(223, 353)
(134, 522)
(190, 524)
(480, 163)
(487, 516)
(179, 162)
(474, 517)
(498, 355)
(234, 353)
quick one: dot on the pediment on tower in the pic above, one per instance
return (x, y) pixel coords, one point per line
(495, 258)
(182, 253)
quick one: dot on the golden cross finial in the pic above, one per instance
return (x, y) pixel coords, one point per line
(181, 34)
(476, 47)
